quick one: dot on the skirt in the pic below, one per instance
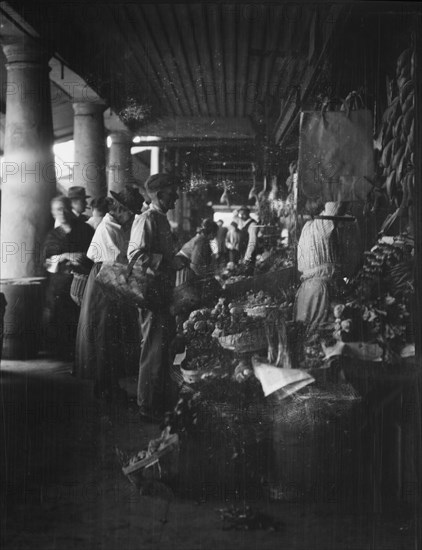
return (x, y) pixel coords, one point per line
(108, 336)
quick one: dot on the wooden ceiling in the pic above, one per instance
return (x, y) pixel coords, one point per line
(189, 60)
(230, 78)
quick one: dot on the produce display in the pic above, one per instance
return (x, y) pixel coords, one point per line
(260, 298)
(275, 259)
(378, 304)
(396, 140)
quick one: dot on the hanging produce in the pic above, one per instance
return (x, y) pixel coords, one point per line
(396, 137)
(253, 193)
(225, 197)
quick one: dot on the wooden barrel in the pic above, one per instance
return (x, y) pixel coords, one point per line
(23, 316)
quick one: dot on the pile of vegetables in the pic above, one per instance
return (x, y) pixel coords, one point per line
(275, 260)
(379, 300)
(387, 268)
(260, 298)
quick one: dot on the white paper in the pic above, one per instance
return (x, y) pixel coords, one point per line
(179, 358)
(275, 378)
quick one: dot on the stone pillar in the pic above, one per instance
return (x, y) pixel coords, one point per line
(119, 168)
(155, 161)
(28, 172)
(90, 148)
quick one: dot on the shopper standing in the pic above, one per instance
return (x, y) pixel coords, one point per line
(152, 241)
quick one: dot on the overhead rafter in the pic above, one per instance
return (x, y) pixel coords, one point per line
(290, 109)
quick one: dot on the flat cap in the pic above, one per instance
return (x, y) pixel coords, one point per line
(158, 182)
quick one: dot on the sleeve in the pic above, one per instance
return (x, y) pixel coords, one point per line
(107, 245)
(52, 252)
(141, 242)
(252, 231)
(52, 246)
(302, 249)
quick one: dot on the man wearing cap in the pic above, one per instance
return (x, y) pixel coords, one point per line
(247, 237)
(78, 197)
(152, 240)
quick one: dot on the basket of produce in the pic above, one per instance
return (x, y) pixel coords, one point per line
(236, 331)
(259, 304)
(196, 368)
(159, 461)
(248, 341)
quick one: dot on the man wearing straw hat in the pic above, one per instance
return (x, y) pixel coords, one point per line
(152, 239)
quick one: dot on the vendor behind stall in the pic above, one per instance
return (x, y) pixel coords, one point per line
(318, 259)
(248, 237)
(198, 252)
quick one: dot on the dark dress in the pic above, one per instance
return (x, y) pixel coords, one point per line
(107, 341)
(61, 313)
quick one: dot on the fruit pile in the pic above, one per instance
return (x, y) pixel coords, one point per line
(260, 298)
(237, 322)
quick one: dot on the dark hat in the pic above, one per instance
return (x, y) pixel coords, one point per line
(158, 182)
(209, 226)
(244, 209)
(77, 192)
(130, 198)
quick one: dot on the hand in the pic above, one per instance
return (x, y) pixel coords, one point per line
(75, 258)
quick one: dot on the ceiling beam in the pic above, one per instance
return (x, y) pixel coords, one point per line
(213, 15)
(171, 38)
(186, 32)
(160, 50)
(194, 143)
(200, 127)
(230, 54)
(290, 109)
(244, 25)
(195, 14)
(257, 42)
(116, 16)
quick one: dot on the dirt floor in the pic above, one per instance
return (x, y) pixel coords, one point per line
(63, 488)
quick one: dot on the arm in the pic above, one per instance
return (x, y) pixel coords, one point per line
(140, 243)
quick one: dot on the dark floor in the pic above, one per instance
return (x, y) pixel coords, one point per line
(63, 488)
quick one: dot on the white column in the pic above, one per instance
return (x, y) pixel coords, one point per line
(119, 167)
(90, 148)
(28, 171)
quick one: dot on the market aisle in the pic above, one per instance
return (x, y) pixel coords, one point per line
(62, 487)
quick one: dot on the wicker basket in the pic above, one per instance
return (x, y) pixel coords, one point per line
(245, 342)
(77, 288)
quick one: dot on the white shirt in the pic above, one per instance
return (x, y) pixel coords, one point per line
(109, 243)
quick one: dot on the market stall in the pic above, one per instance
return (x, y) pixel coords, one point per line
(265, 399)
